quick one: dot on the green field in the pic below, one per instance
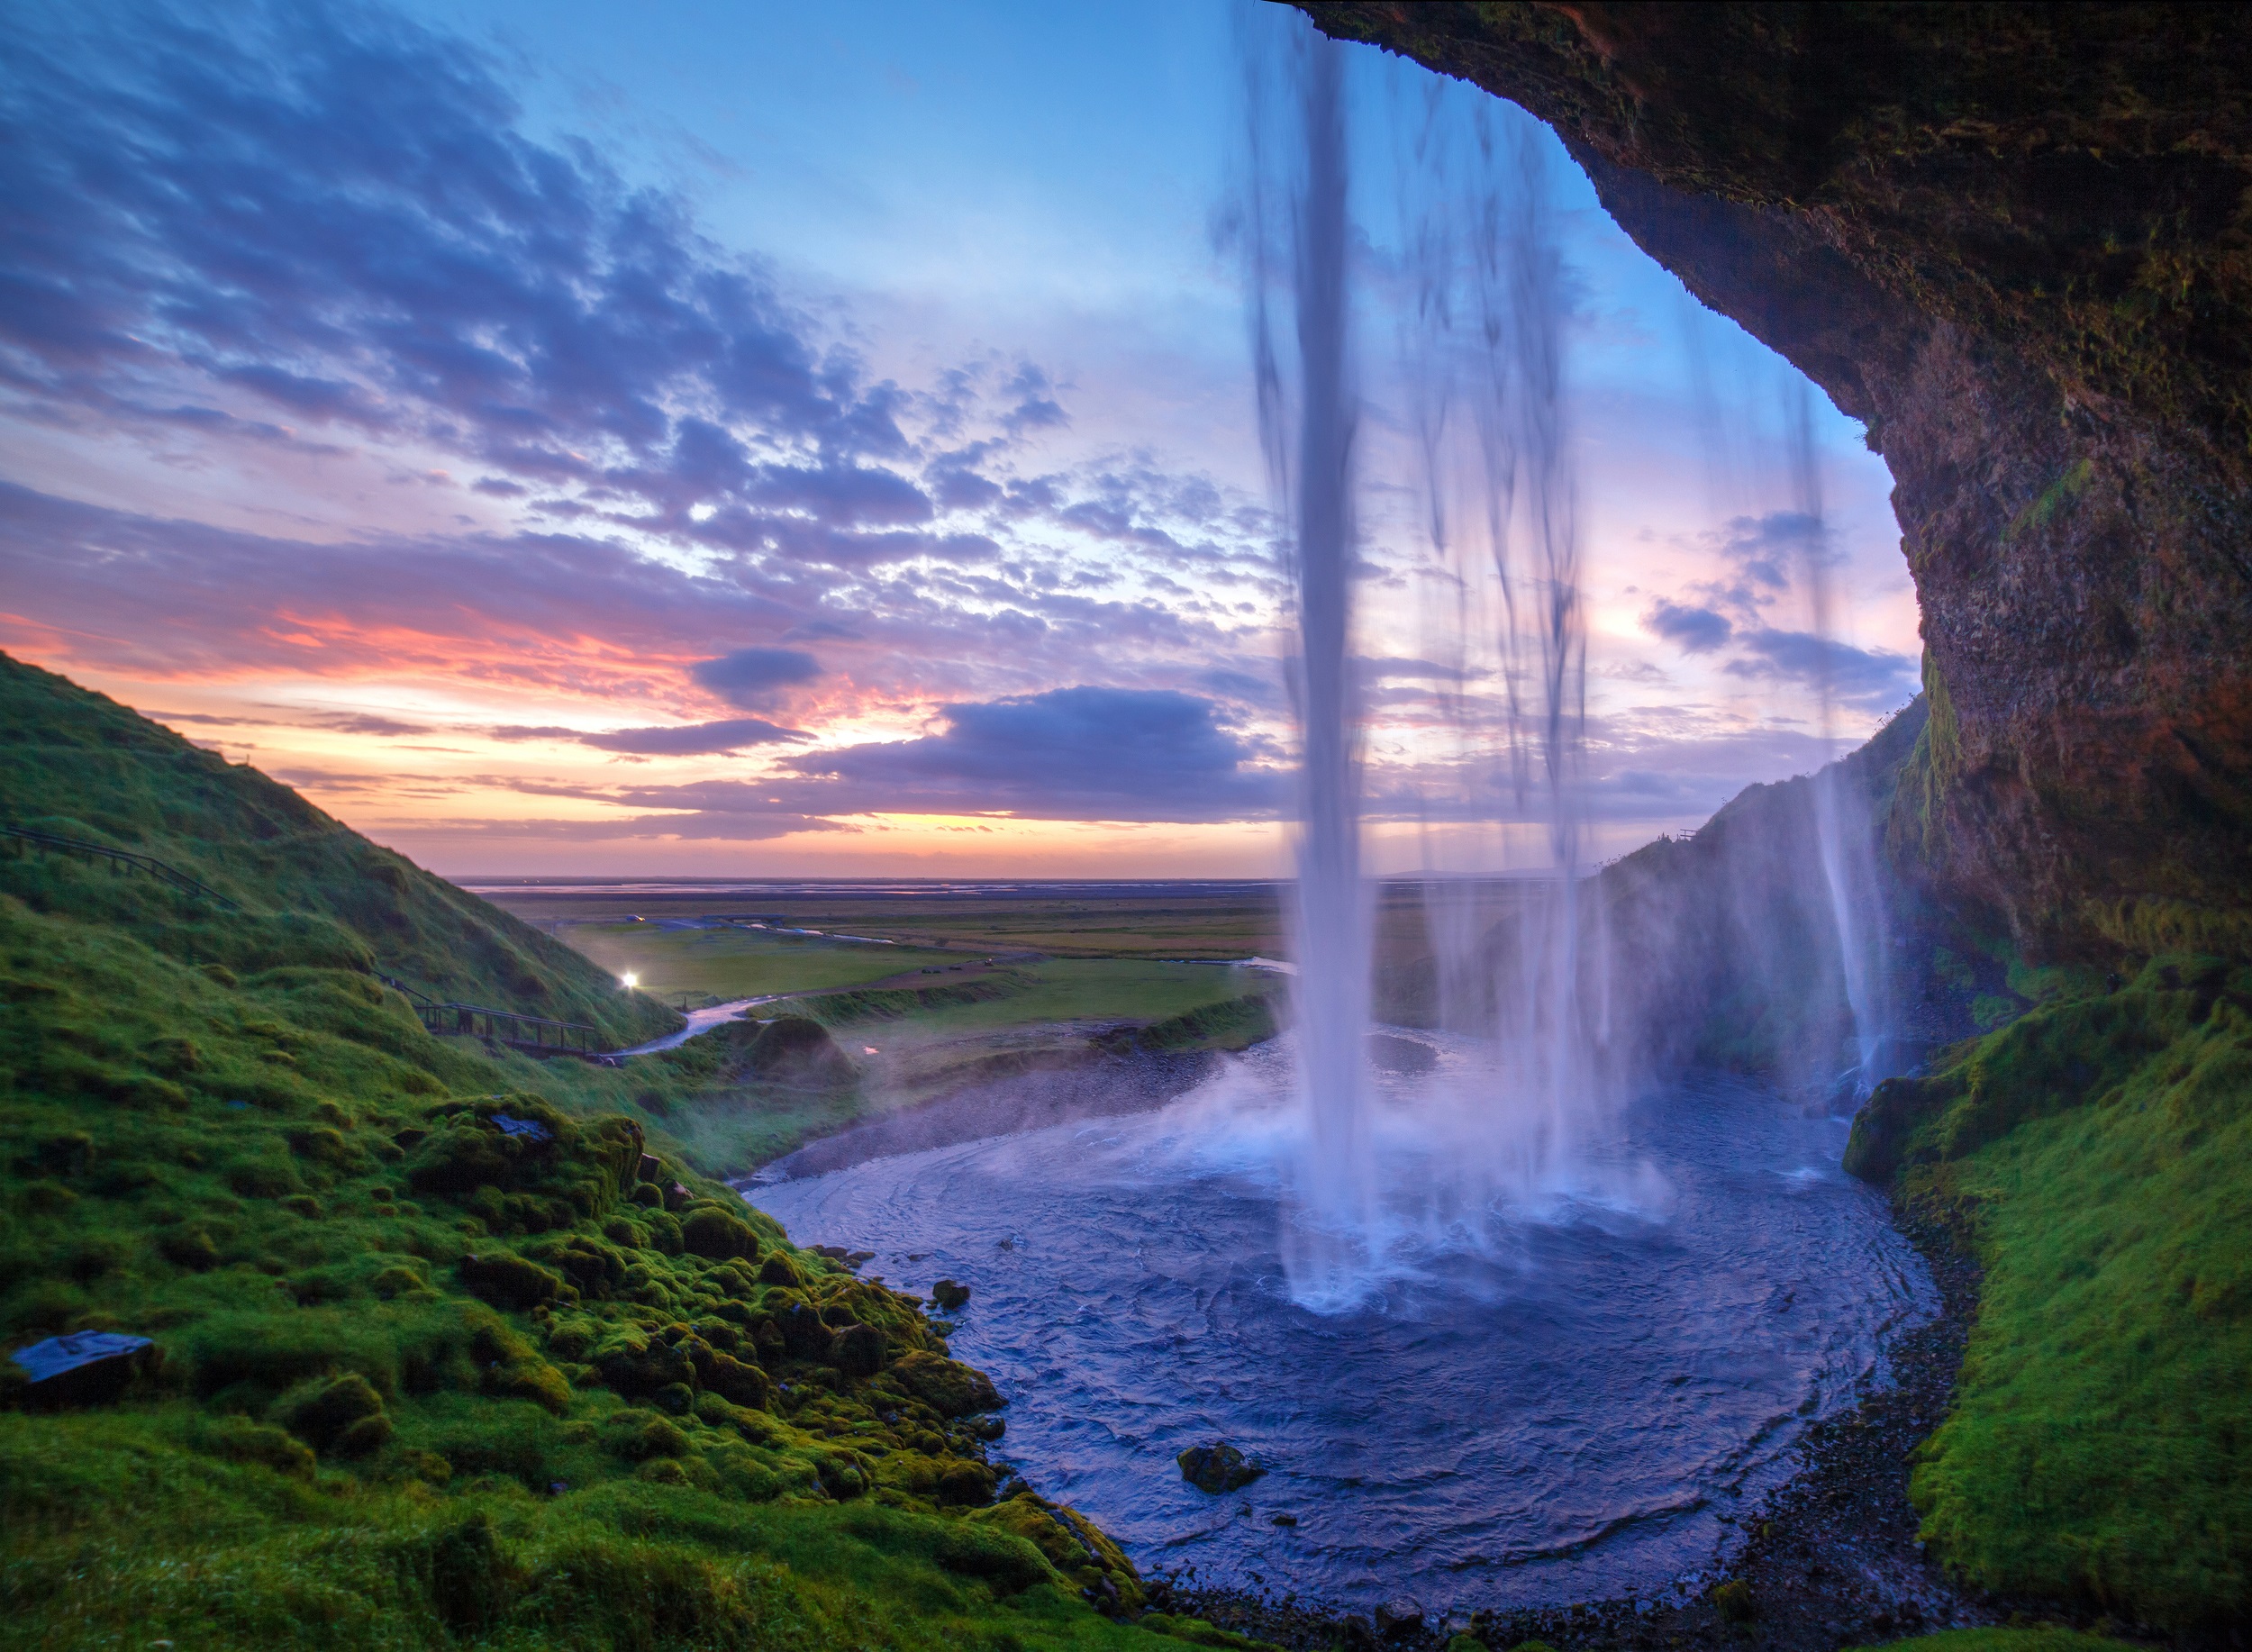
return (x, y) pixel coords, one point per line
(913, 1021)
(1078, 992)
(737, 963)
(1243, 922)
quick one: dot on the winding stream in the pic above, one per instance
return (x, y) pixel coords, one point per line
(1562, 1396)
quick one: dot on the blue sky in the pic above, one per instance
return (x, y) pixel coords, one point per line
(748, 438)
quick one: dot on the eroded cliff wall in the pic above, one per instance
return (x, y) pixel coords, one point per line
(2017, 242)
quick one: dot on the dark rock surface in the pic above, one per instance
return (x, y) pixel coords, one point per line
(2016, 241)
(1218, 1468)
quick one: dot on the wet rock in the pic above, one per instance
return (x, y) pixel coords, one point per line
(1399, 1617)
(1388, 1053)
(948, 1295)
(1217, 1468)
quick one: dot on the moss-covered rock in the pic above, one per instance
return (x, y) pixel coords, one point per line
(947, 1386)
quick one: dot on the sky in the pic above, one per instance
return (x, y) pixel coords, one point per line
(747, 440)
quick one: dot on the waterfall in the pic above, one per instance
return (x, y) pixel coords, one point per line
(1484, 375)
(1842, 827)
(1312, 475)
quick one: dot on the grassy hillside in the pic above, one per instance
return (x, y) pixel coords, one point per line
(448, 1344)
(2098, 1154)
(312, 893)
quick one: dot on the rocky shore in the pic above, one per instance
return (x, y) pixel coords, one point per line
(1830, 1558)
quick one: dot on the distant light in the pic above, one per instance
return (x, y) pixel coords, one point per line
(867, 1049)
(630, 980)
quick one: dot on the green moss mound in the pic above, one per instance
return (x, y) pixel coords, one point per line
(2098, 1154)
(450, 1344)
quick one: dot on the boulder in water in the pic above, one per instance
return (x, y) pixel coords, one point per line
(1389, 1053)
(947, 1295)
(1217, 1468)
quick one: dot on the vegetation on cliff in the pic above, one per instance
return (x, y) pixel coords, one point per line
(447, 1343)
(2097, 1154)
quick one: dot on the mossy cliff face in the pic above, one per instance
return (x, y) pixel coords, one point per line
(2014, 241)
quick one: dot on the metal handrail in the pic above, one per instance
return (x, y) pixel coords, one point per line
(124, 857)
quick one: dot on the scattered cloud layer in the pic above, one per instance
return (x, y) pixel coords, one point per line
(341, 387)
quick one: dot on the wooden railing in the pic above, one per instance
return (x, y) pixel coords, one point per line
(122, 858)
(533, 1034)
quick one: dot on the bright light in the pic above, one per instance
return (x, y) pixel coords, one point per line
(630, 980)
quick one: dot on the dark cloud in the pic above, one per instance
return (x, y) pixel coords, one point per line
(692, 738)
(1036, 405)
(1765, 548)
(1867, 679)
(1264, 691)
(665, 740)
(1695, 631)
(752, 678)
(1070, 753)
(362, 722)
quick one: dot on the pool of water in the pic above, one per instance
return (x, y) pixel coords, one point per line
(1555, 1393)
